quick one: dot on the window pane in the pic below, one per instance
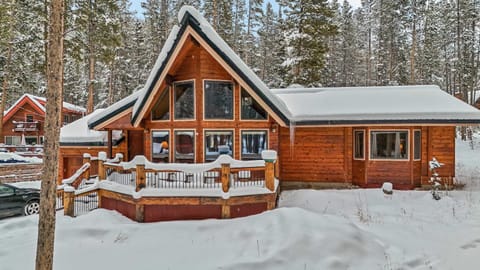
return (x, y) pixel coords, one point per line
(417, 147)
(31, 139)
(29, 118)
(160, 143)
(251, 110)
(218, 100)
(184, 146)
(218, 143)
(161, 110)
(359, 145)
(184, 101)
(13, 140)
(389, 145)
(253, 143)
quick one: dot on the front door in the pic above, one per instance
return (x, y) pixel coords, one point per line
(135, 143)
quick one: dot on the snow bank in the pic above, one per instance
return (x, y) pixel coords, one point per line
(15, 158)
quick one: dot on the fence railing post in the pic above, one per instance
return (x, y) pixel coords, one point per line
(270, 156)
(69, 201)
(141, 179)
(87, 158)
(102, 157)
(225, 177)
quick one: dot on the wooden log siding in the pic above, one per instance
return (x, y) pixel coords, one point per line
(194, 63)
(324, 155)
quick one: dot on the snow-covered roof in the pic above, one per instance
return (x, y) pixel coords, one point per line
(78, 132)
(38, 102)
(425, 104)
(188, 15)
(114, 109)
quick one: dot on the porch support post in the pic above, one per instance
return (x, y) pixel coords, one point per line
(109, 143)
(141, 179)
(69, 201)
(87, 159)
(225, 177)
(102, 158)
(270, 156)
(139, 212)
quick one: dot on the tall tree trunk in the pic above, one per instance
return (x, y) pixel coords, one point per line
(46, 223)
(5, 88)
(91, 58)
(414, 43)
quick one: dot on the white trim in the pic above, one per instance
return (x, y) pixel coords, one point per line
(392, 131)
(174, 143)
(205, 130)
(364, 144)
(253, 129)
(169, 142)
(233, 100)
(169, 90)
(194, 100)
(413, 144)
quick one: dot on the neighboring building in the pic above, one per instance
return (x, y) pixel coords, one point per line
(201, 100)
(26, 117)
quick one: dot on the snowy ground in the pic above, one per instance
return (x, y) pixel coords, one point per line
(16, 158)
(329, 229)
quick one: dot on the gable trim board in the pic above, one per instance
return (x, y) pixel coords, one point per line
(190, 25)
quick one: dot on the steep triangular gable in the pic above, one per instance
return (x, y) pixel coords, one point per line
(192, 23)
(21, 102)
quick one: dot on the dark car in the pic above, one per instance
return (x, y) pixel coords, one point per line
(18, 201)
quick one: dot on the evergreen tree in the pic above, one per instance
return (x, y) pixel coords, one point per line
(308, 25)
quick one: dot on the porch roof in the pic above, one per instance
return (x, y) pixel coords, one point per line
(420, 104)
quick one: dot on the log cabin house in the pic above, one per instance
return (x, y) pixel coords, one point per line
(25, 119)
(201, 101)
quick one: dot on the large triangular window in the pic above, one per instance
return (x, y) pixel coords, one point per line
(161, 110)
(251, 110)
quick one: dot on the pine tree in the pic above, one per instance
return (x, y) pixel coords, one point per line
(308, 25)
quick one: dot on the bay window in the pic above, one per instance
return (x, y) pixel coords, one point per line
(389, 145)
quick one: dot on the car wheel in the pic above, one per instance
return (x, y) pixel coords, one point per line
(32, 208)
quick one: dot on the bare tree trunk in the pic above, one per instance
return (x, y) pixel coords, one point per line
(46, 223)
(414, 43)
(5, 88)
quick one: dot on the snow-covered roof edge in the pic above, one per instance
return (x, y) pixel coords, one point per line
(35, 100)
(114, 109)
(189, 16)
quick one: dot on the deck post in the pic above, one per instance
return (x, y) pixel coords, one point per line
(225, 177)
(141, 179)
(270, 156)
(87, 158)
(69, 201)
(139, 212)
(102, 157)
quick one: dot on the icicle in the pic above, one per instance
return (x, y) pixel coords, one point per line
(292, 138)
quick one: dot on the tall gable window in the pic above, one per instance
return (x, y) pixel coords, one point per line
(218, 100)
(251, 110)
(184, 101)
(161, 110)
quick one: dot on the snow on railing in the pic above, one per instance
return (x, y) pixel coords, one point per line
(225, 172)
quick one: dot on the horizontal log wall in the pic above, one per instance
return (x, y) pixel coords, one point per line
(11, 173)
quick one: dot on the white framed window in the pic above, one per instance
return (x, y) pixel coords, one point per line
(160, 146)
(13, 140)
(184, 100)
(218, 100)
(417, 144)
(161, 109)
(253, 142)
(359, 144)
(218, 142)
(184, 143)
(31, 140)
(389, 145)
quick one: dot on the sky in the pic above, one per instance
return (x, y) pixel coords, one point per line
(136, 4)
